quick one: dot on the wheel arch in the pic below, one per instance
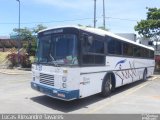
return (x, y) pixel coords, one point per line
(113, 79)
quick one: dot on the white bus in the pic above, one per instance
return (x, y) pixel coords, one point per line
(75, 62)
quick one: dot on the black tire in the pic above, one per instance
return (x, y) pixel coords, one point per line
(144, 75)
(107, 86)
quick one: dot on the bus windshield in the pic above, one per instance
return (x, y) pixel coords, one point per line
(58, 49)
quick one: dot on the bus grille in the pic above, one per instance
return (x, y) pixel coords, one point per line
(47, 79)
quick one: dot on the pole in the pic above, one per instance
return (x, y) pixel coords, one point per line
(104, 16)
(94, 13)
(19, 30)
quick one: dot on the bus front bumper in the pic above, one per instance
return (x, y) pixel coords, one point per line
(56, 93)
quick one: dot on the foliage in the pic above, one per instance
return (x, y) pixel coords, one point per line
(32, 51)
(102, 27)
(23, 60)
(29, 37)
(150, 27)
(39, 28)
(89, 26)
(25, 33)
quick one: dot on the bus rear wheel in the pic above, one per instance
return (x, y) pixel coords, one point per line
(107, 86)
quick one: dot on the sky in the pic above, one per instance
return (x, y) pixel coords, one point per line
(121, 15)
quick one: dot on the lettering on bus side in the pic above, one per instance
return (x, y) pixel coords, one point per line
(128, 73)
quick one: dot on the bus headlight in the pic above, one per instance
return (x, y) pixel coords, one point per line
(37, 76)
(64, 79)
(65, 71)
(64, 85)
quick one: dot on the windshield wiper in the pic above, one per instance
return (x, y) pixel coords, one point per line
(53, 60)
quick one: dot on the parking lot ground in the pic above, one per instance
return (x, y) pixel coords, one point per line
(16, 96)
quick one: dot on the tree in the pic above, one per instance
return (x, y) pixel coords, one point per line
(150, 28)
(89, 26)
(32, 46)
(102, 27)
(39, 28)
(25, 33)
(29, 37)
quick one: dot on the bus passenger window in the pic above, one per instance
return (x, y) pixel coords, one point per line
(99, 47)
(111, 46)
(88, 43)
(118, 47)
(136, 51)
(127, 49)
(144, 52)
(88, 59)
(99, 59)
(151, 54)
(94, 46)
(93, 51)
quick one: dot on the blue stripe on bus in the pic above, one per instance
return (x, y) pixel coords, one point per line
(59, 94)
(121, 62)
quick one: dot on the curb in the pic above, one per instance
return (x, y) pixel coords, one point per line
(24, 69)
(15, 73)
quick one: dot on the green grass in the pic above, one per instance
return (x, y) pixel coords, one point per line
(3, 56)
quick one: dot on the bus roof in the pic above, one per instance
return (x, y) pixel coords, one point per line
(101, 33)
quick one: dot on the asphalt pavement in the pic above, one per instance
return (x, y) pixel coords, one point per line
(16, 96)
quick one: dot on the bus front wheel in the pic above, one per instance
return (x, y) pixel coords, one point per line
(107, 86)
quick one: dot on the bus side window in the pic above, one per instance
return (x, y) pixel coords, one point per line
(111, 46)
(127, 49)
(147, 53)
(144, 53)
(114, 46)
(136, 51)
(151, 54)
(88, 43)
(99, 47)
(118, 47)
(93, 50)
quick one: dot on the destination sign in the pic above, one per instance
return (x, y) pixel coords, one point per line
(53, 31)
